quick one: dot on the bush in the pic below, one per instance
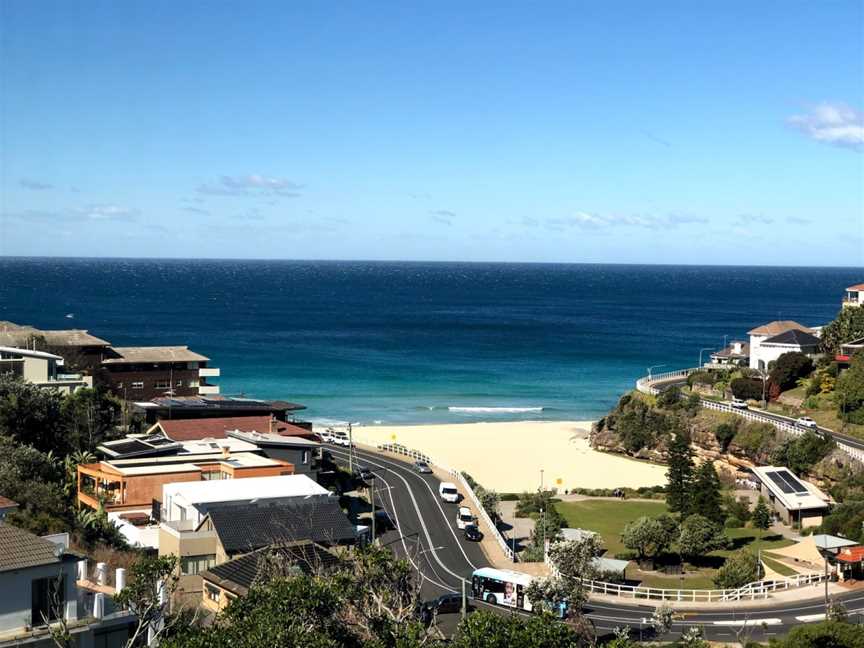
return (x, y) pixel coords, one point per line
(740, 568)
(702, 378)
(788, 368)
(733, 523)
(747, 388)
(754, 438)
(725, 432)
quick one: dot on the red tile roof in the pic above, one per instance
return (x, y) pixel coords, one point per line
(215, 428)
(5, 503)
(851, 554)
(856, 288)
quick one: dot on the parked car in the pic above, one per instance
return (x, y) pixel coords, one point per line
(363, 473)
(738, 403)
(806, 422)
(422, 467)
(464, 517)
(340, 439)
(472, 533)
(447, 491)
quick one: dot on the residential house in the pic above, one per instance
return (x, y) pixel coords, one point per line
(847, 350)
(217, 428)
(769, 341)
(854, 295)
(42, 369)
(80, 350)
(301, 452)
(793, 500)
(208, 533)
(203, 407)
(141, 373)
(39, 583)
(234, 578)
(736, 354)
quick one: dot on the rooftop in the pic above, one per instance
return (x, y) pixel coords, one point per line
(792, 493)
(777, 327)
(20, 549)
(144, 354)
(217, 428)
(16, 334)
(267, 439)
(729, 351)
(218, 402)
(851, 554)
(27, 353)
(249, 488)
(250, 526)
(240, 574)
(6, 503)
(824, 541)
(856, 288)
(794, 337)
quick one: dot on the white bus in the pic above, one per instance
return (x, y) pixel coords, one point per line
(501, 587)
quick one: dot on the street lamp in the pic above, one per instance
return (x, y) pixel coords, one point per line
(700, 354)
(654, 367)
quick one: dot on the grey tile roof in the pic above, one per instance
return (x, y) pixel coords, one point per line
(20, 549)
(240, 574)
(246, 527)
(794, 336)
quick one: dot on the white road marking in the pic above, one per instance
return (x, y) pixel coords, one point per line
(749, 622)
(808, 618)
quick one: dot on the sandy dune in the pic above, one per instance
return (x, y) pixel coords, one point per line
(508, 457)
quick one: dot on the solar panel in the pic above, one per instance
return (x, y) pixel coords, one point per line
(780, 482)
(128, 446)
(793, 482)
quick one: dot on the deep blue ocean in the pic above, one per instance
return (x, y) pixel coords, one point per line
(408, 342)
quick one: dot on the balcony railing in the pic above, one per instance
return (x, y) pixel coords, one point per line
(208, 372)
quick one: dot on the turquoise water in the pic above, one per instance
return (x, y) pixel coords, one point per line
(421, 342)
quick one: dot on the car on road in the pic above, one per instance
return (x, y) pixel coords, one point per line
(464, 517)
(340, 439)
(422, 467)
(806, 422)
(364, 474)
(738, 403)
(448, 492)
(472, 533)
(444, 604)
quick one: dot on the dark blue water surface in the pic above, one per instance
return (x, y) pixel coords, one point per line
(403, 342)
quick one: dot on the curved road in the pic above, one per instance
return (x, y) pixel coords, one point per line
(427, 536)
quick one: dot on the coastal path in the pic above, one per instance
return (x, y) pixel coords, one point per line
(427, 536)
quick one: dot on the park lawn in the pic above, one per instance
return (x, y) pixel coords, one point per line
(780, 568)
(749, 538)
(608, 517)
(702, 579)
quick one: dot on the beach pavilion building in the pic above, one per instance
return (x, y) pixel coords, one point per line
(793, 500)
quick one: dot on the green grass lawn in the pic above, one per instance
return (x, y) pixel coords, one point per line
(608, 517)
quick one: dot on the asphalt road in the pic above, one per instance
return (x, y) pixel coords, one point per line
(427, 536)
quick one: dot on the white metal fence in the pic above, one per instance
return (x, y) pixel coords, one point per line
(784, 424)
(751, 591)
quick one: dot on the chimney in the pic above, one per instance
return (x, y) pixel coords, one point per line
(226, 452)
(272, 424)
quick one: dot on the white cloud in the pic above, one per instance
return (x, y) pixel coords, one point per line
(832, 123)
(106, 212)
(443, 216)
(35, 185)
(251, 185)
(589, 221)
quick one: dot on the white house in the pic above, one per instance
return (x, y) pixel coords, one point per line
(40, 368)
(189, 500)
(854, 295)
(769, 341)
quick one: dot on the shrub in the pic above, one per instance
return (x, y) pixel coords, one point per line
(754, 438)
(740, 568)
(725, 432)
(746, 388)
(788, 368)
(733, 523)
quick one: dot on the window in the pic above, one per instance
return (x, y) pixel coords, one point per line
(193, 383)
(138, 384)
(190, 565)
(212, 592)
(162, 384)
(305, 456)
(48, 597)
(179, 383)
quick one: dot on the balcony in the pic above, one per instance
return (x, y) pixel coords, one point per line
(208, 389)
(208, 372)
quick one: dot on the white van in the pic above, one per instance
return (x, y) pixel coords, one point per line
(448, 492)
(464, 517)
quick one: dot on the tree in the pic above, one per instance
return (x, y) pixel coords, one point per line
(698, 536)
(151, 583)
(740, 568)
(706, 493)
(747, 388)
(850, 384)
(662, 618)
(847, 326)
(788, 368)
(761, 516)
(484, 629)
(725, 432)
(692, 638)
(575, 562)
(680, 474)
(32, 415)
(669, 398)
(489, 500)
(827, 634)
(647, 537)
(91, 416)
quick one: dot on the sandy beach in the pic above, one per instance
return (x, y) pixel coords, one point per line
(508, 457)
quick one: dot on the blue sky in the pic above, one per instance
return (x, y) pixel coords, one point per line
(667, 132)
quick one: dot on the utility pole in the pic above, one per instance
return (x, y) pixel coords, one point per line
(825, 556)
(372, 500)
(350, 450)
(464, 599)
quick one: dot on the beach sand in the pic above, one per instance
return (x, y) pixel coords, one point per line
(508, 457)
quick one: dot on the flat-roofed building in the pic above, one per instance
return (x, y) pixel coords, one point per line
(80, 350)
(218, 406)
(854, 295)
(794, 500)
(136, 373)
(303, 453)
(42, 369)
(218, 428)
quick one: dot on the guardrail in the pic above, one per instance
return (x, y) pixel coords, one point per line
(751, 591)
(397, 448)
(647, 386)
